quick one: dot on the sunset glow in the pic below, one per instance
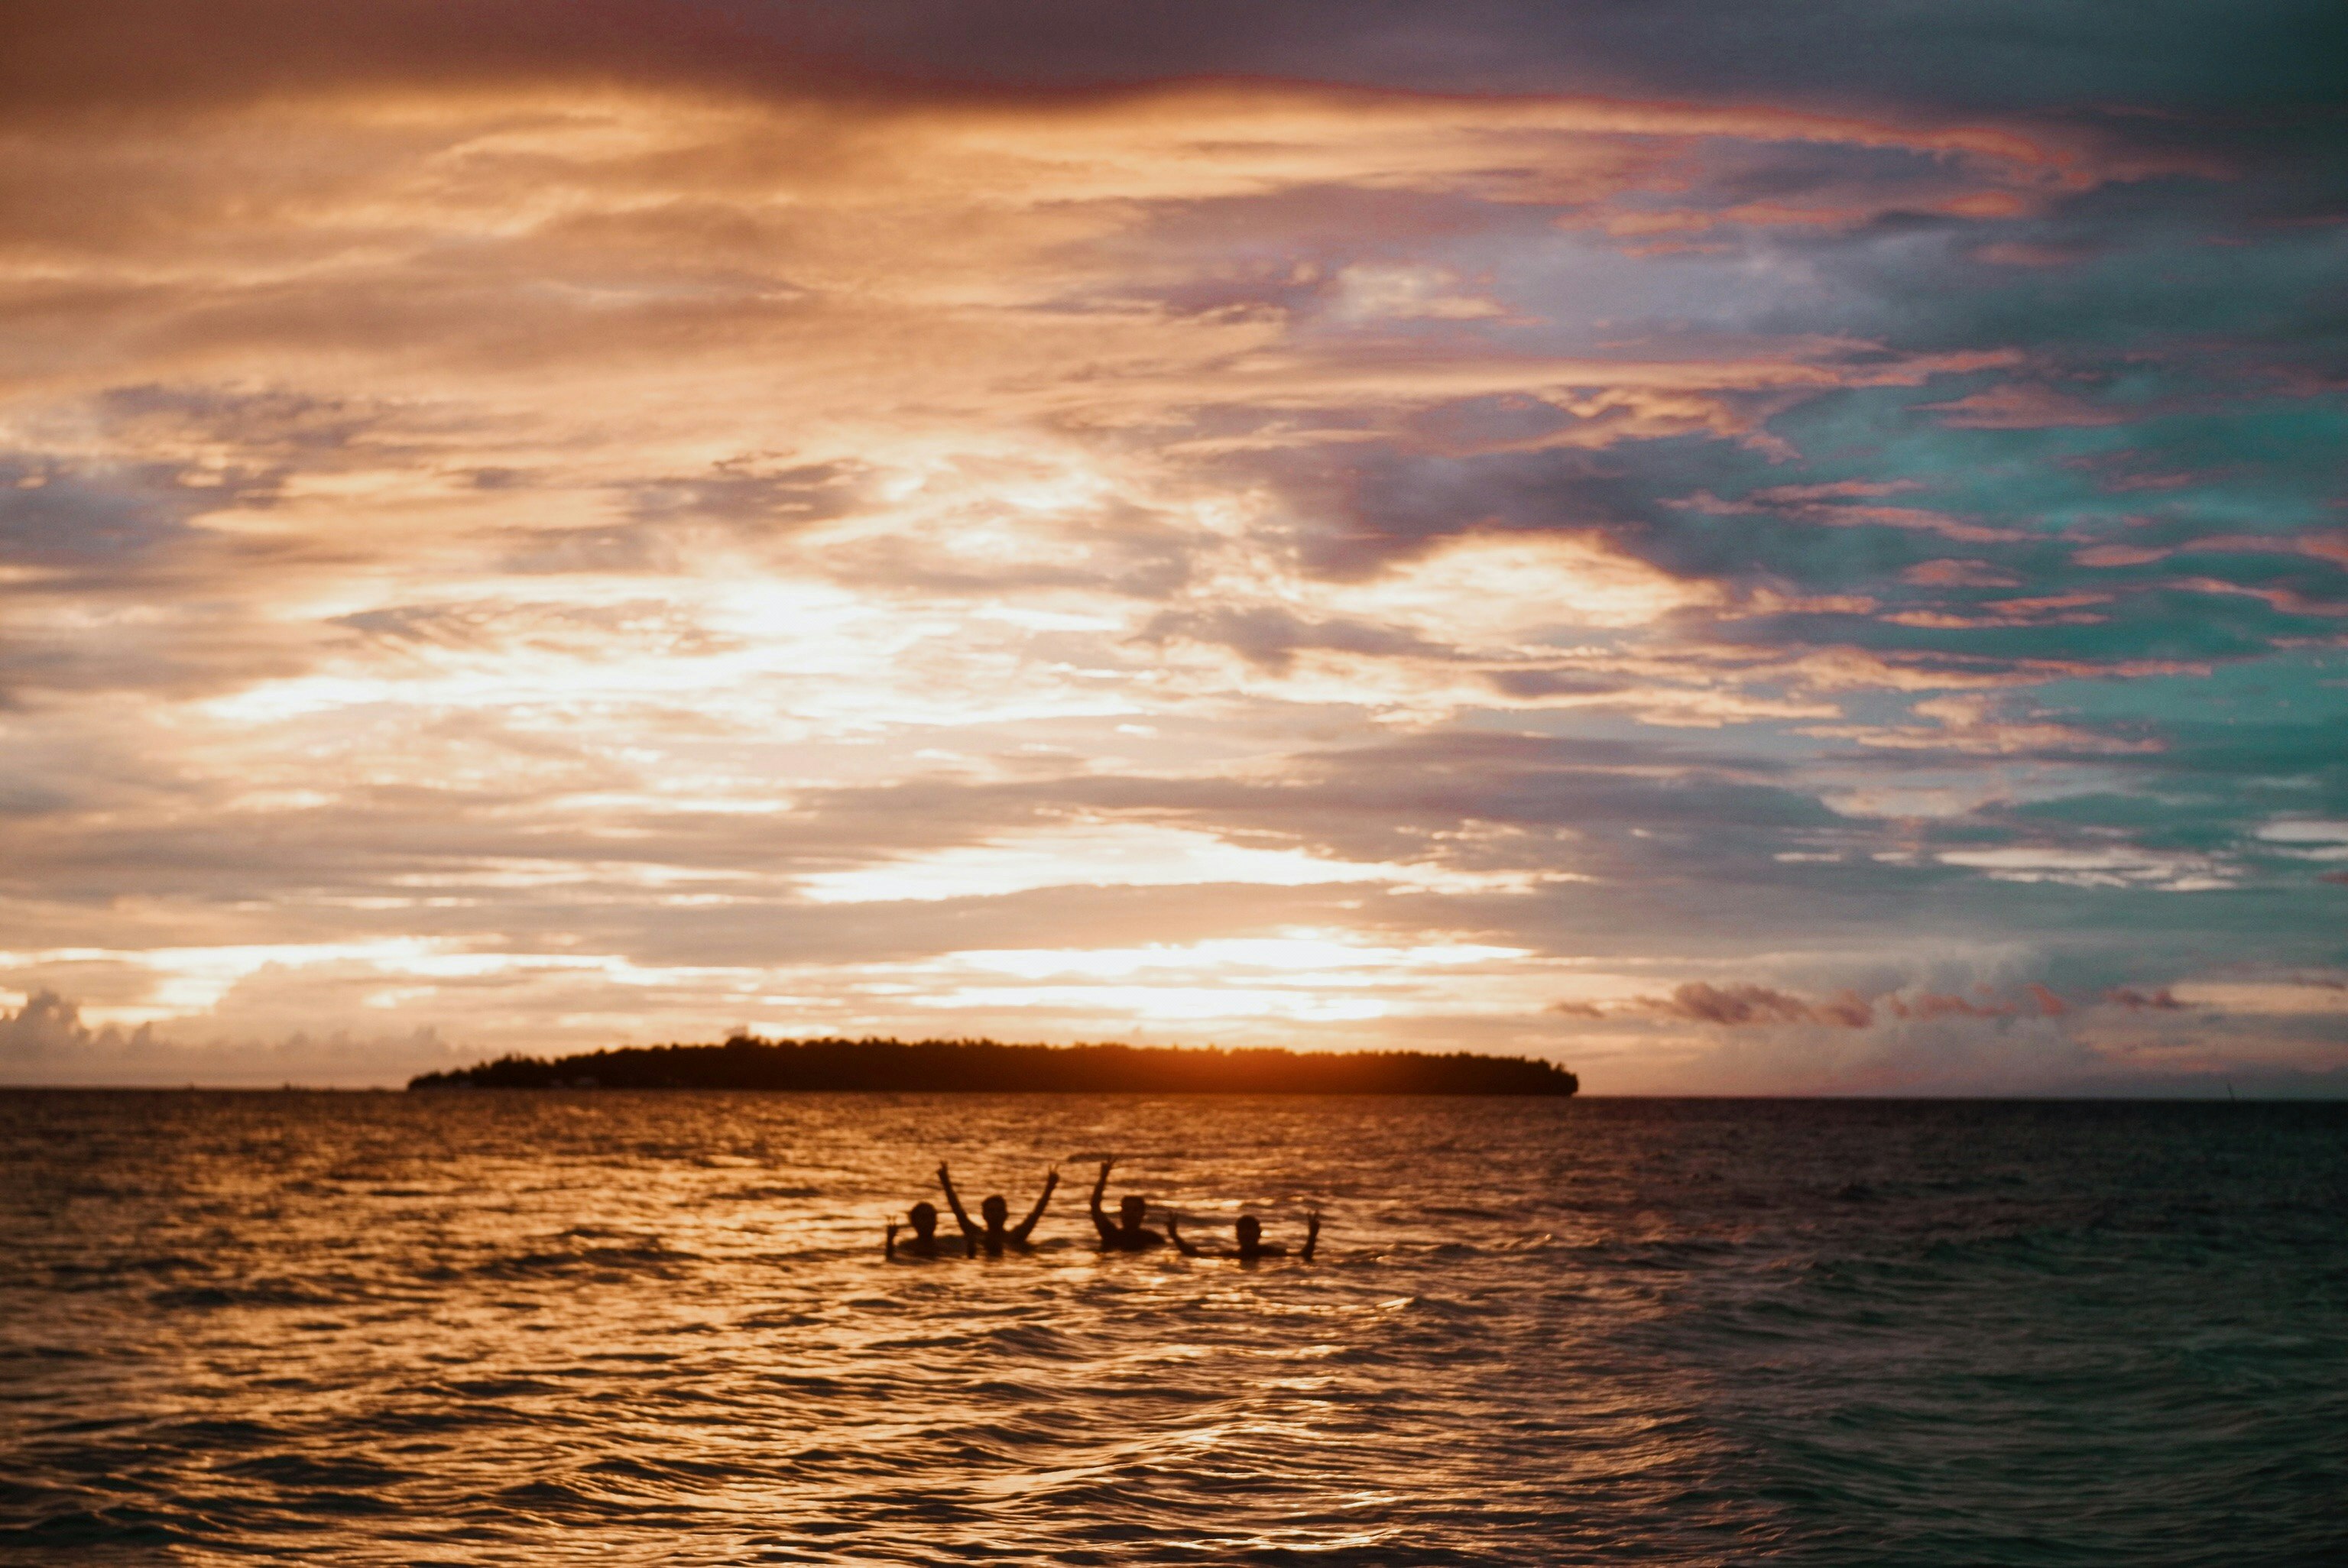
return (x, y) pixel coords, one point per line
(537, 548)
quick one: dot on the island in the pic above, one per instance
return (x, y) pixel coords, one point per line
(979, 1066)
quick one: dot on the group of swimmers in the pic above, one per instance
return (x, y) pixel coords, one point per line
(1126, 1233)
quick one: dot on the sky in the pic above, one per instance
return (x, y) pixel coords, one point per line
(1741, 548)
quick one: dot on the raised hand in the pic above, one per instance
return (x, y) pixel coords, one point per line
(1101, 1222)
(953, 1199)
(1026, 1227)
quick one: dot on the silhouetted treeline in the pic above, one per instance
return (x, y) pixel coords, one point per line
(972, 1065)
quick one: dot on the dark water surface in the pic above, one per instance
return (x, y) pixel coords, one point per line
(657, 1328)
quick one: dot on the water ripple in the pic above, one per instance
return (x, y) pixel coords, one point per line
(489, 1328)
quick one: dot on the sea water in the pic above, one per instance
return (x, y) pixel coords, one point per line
(541, 1327)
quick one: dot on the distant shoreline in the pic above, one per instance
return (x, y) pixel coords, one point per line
(985, 1066)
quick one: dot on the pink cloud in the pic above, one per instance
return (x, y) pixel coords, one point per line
(1931, 1004)
(2011, 253)
(1959, 574)
(2117, 555)
(2023, 407)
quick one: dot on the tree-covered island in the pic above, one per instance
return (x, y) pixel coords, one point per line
(952, 1066)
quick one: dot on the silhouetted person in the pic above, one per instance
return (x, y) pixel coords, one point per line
(1249, 1232)
(994, 1238)
(923, 1242)
(1127, 1233)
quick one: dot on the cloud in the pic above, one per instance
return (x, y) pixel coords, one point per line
(45, 1041)
(557, 524)
(2023, 407)
(1745, 1004)
(2159, 1000)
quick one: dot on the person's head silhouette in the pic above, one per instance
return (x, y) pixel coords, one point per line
(925, 1219)
(995, 1210)
(1131, 1210)
(1250, 1232)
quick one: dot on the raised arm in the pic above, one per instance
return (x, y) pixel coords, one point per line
(1101, 1221)
(1021, 1231)
(1311, 1235)
(889, 1243)
(953, 1201)
(1174, 1234)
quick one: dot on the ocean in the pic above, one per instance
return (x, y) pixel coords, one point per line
(606, 1327)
